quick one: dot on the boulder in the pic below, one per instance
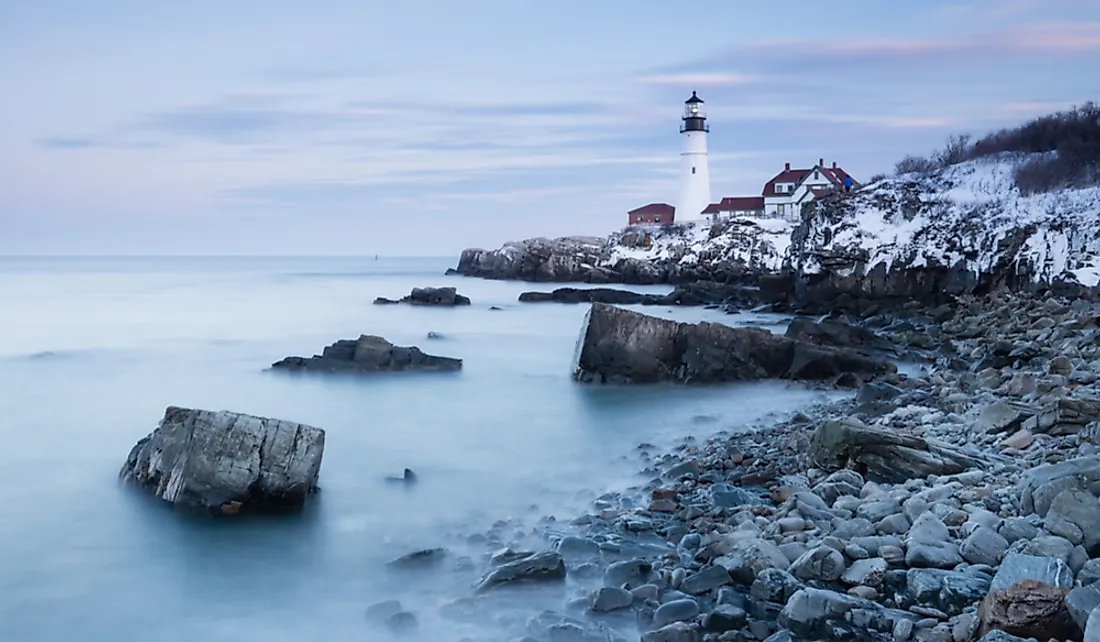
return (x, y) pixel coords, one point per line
(224, 463)
(368, 354)
(675, 632)
(1028, 609)
(884, 455)
(1082, 601)
(623, 346)
(929, 544)
(441, 297)
(536, 568)
(810, 610)
(609, 598)
(1017, 567)
(1079, 473)
(949, 591)
(830, 332)
(1075, 516)
(591, 295)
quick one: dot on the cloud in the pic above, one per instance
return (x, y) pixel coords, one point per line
(67, 143)
(697, 79)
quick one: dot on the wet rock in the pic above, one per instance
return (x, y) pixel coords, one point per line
(610, 598)
(705, 580)
(622, 346)
(379, 612)
(427, 558)
(725, 617)
(675, 611)
(1090, 572)
(1092, 627)
(443, 297)
(949, 591)
(540, 567)
(930, 545)
(1028, 609)
(1075, 515)
(728, 496)
(591, 295)
(865, 572)
(402, 623)
(628, 572)
(1078, 472)
(675, 632)
(368, 354)
(774, 585)
(843, 482)
(1082, 601)
(224, 463)
(984, 546)
(822, 563)
(1016, 568)
(407, 477)
(810, 610)
(748, 558)
(885, 456)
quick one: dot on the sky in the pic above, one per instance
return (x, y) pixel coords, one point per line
(421, 127)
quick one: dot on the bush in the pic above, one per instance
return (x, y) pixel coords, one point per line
(1069, 140)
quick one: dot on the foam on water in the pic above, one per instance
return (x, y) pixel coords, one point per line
(93, 350)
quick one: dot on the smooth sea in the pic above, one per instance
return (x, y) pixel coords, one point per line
(92, 350)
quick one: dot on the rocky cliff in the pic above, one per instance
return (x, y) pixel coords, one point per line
(966, 228)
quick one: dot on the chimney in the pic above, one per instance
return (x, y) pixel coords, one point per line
(787, 167)
(821, 162)
(834, 164)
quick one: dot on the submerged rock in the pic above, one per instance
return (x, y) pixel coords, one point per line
(224, 463)
(442, 297)
(540, 567)
(591, 295)
(368, 353)
(622, 346)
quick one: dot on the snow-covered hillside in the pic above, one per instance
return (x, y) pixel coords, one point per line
(912, 236)
(969, 216)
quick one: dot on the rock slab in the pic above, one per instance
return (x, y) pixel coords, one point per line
(369, 353)
(623, 346)
(223, 463)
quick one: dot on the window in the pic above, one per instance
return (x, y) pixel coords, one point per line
(656, 219)
(817, 175)
(782, 209)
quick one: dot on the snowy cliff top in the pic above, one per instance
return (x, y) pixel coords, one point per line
(760, 243)
(971, 213)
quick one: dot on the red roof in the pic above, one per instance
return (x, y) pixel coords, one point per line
(736, 204)
(654, 208)
(834, 175)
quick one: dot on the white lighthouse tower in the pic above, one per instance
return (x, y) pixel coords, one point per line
(694, 170)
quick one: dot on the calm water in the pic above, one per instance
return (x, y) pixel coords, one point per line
(92, 350)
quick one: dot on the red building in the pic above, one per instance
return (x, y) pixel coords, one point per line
(652, 214)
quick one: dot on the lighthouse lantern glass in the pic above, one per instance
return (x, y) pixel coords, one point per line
(694, 110)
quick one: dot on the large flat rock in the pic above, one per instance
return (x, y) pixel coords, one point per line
(225, 462)
(368, 353)
(622, 346)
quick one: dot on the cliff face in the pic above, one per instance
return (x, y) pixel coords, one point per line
(963, 229)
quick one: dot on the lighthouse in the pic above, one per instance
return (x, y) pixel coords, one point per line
(694, 170)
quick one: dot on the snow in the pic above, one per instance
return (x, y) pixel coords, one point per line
(969, 216)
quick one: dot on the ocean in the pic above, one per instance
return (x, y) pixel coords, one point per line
(92, 350)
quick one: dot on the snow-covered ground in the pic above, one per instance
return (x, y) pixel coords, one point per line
(969, 214)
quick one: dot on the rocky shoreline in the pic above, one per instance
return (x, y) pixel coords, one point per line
(952, 505)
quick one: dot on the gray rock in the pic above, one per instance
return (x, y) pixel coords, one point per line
(774, 585)
(705, 580)
(1048, 546)
(1002, 416)
(810, 609)
(628, 572)
(886, 455)
(444, 297)
(984, 546)
(1090, 572)
(822, 563)
(379, 612)
(930, 545)
(1084, 470)
(402, 623)
(223, 463)
(368, 353)
(646, 592)
(1075, 515)
(843, 482)
(426, 558)
(623, 346)
(1092, 627)
(997, 635)
(868, 572)
(1082, 601)
(948, 591)
(748, 558)
(541, 567)
(1016, 568)
(675, 632)
(610, 598)
(675, 611)
(895, 524)
(727, 496)
(874, 511)
(1016, 528)
(725, 617)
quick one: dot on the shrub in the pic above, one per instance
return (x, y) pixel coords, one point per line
(914, 164)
